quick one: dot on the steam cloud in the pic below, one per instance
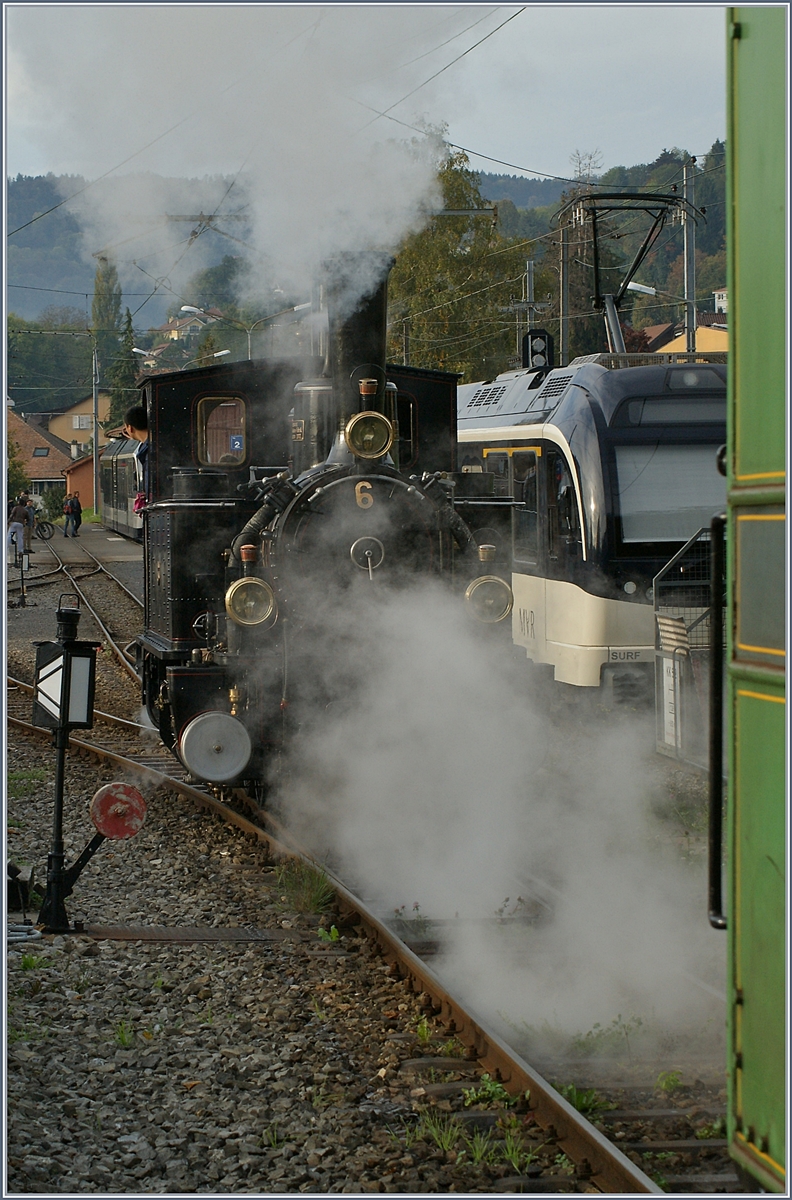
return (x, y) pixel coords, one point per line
(275, 101)
(444, 779)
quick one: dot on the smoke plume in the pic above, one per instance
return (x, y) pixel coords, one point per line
(263, 117)
(446, 778)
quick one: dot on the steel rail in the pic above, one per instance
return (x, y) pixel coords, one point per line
(102, 567)
(598, 1160)
(116, 649)
(97, 712)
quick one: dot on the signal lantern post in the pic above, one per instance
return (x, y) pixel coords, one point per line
(63, 700)
(537, 349)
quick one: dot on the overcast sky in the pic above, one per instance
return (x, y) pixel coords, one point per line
(89, 86)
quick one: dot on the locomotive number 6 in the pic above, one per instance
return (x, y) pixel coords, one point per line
(363, 499)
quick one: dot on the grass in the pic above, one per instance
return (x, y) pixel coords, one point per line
(423, 1031)
(480, 1147)
(303, 887)
(31, 962)
(416, 924)
(444, 1129)
(124, 1035)
(586, 1100)
(271, 1138)
(599, 1039)
(22, 783)
(716, 1130)
(515, 1153)
(489, 1091)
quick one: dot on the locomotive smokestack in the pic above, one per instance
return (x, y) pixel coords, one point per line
(357, 328)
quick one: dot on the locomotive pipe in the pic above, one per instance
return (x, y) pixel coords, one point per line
(280, 494)
(356, 337)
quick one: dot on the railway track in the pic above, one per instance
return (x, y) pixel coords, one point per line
(632, 1138)
(629, 1123)
(81, 584)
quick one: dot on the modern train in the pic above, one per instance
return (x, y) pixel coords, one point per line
(118, 483)
(282, 493)
(749, 681)
(588, 479)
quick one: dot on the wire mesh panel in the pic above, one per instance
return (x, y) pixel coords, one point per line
(682, 600)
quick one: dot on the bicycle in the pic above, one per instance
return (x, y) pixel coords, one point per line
(43, 529)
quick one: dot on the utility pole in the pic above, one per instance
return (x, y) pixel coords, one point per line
(527, 305)
(406, 341)
(96, 431)
(688, 172)
(564, 299)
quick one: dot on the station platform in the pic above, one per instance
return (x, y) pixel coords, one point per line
(108, 546)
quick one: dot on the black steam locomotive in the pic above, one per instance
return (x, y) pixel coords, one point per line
(283, 493)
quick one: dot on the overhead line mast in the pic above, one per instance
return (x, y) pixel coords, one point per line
(659, 207)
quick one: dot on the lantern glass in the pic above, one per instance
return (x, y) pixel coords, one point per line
(80, 689)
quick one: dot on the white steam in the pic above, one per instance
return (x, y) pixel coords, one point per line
(444, 781)
(277, 102)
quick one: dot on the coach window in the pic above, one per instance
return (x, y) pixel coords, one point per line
(497, 464)
(221, 431)
(525, 514)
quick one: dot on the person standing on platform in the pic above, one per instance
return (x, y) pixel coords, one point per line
(16, 527)
(68, 512)
(76, 513)
(30, 522)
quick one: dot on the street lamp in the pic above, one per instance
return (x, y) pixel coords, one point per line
(217, 354)
(248, 329)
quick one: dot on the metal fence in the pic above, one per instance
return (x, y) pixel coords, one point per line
(682, 607)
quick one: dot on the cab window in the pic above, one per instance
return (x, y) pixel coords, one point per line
(222, 438)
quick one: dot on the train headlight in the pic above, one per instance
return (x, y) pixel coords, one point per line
(489, 598)
(369, 435)
(250, 601)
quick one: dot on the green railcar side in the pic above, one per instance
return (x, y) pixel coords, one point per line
(757, 139)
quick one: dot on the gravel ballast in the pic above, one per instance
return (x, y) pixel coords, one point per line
(268, 1066)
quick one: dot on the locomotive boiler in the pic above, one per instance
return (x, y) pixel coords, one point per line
(280, 507)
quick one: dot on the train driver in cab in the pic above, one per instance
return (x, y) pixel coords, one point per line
(136, 427)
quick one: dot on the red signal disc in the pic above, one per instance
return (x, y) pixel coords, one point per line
(118, 811)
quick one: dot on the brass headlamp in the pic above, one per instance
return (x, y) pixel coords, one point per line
(489, 599)
(250, 601)
(369, 435)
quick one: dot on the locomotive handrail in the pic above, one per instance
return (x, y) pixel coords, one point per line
(717, 918)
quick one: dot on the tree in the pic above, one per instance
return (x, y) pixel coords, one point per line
(49, 361)
(122, 376)
(16, 480)
(52, 502)
(106, 316)
(206, 349)
(452, 286)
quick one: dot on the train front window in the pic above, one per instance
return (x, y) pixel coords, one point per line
(672, 410)
(666, 493)
(221, 431)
